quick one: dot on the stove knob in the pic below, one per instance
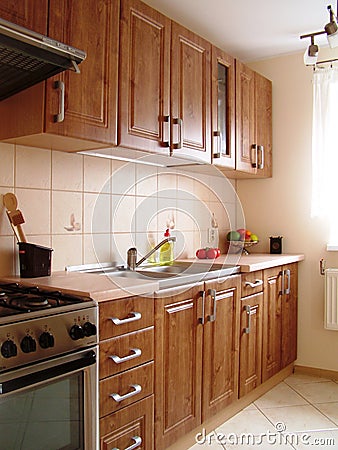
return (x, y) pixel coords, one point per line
(9, 349)
(89, 329)
(46, 340)
(76, 332)
(28, 344)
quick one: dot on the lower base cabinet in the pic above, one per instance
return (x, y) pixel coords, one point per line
(131, 427)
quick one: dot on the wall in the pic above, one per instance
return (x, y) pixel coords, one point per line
(281, 205)
(92, 210)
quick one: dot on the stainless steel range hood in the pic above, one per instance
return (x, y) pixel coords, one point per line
(27, 57)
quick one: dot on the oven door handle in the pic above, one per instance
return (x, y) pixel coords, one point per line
(46, 374)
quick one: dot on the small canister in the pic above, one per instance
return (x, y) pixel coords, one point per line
(276, 244)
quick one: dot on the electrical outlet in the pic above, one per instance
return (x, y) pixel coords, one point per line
(211, 235)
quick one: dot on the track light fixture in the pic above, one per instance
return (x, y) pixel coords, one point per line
(331, 31)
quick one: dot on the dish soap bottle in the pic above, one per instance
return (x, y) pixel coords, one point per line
(167, 251)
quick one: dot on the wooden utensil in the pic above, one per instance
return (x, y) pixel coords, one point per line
(15, 216)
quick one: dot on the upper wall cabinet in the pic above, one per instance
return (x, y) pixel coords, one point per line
(223, 109)
(253, 123)
(70, 111)
(164, 85)
(21, 14)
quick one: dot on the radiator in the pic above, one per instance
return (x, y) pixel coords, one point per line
(331, 299)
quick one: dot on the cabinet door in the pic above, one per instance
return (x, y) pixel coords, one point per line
(272, 322)
(250, 343)
(263, 93)
(26, 13)
(289, 315)
(129, 426)
(178, 352)
(245, 119)
(190, 94)
(144, 81)
(90, 98)
(220, 345)
(223, 109)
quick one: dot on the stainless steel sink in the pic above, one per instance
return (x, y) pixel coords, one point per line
(177, 274)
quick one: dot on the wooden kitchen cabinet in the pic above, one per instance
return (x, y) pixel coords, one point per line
(126, 373)
(251, 327)
(196, 354)
(223, 109)
(21, 14)
(253, 123)
(164, 85)
(280, 319)
(90, 98)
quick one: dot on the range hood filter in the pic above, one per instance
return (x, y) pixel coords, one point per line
(26, 58)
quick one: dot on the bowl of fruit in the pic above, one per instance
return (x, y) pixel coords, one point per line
(239, 240)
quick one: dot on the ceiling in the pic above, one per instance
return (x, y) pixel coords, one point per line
(251, 29)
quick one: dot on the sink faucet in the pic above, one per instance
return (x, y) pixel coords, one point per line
(132, 253)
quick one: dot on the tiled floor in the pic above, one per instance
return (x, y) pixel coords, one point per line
(299, 413)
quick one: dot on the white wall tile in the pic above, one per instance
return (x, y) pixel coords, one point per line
(5, 227)
(146, 180)
(67, 251)
(7, 164)
(64, 205)
(123, 178)
(67, 171)
(120, 243)
(97, 213)
(146, 214)
(9, 253)
(33, 168)
(123, 214)
(96, 248)
(97, 174)
(35, 207)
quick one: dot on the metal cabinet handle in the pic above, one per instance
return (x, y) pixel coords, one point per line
(60, 117)
(254, 159)
(119, 398)
(288, 275)
(134, 316)
(137, 443)
(255, 284)
(218, 134)
(201, 320)
(260, 161)
(247, 309)
(212, 293)
(136, 352)
(166, 119)
(178, 121)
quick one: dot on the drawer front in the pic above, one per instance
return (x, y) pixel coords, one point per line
(126, 388)
(252, 283)
(125, 315)
(126, 351)
(133, 424)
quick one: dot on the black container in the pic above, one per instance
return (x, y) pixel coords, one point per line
(276, 244)
(35, 260)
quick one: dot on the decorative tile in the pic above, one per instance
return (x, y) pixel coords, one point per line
(7, 164)
(66, 212)
(67, 171)
(33, 168)
(97, 174)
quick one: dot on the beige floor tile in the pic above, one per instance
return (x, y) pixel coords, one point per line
(298, 418)
(303, 378)
(319, 392)
(330, 410)
(323, 440)
(248, 421)
(259, 446)
(209, 442)
(280, 395)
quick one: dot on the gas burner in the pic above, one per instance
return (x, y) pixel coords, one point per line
(35, 301)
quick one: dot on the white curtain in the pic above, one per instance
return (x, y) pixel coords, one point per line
(325, 147)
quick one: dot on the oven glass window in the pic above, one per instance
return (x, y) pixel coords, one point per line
(45, 417)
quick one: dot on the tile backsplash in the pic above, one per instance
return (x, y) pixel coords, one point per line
(91, 209)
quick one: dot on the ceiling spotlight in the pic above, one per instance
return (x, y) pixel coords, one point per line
(331, 29)
(311, 53)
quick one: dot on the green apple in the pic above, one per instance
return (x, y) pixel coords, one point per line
(233, 236)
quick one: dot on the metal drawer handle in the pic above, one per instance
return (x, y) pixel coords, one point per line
(166, 119)
(247, 309)
(218, 134)
(255, 284)
(201, 320)
(260, 163)
(60, 117)
(137, 443)
(134, 316)
(178, 121)
(119, 398)
(288, 275)
(135, 353)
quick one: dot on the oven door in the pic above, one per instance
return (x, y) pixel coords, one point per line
(52, 405)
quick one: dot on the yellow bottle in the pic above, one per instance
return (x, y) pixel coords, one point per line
(167, 251)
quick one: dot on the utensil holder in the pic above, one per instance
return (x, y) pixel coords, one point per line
(35, 260)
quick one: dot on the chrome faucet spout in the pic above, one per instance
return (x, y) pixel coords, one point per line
(132, 253)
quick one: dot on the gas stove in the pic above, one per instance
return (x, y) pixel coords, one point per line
(37, 324)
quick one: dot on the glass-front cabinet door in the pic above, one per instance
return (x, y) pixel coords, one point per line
(223, 109)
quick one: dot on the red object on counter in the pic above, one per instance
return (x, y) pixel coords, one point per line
(208, 253)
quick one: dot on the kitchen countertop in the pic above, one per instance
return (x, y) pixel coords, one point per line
(103, 287)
